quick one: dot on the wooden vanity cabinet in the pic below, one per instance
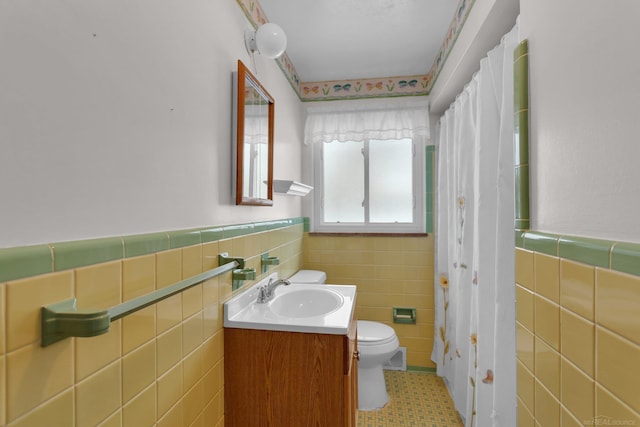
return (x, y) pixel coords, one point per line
(284, 379)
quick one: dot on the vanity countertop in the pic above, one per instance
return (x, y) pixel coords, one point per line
(302, 301)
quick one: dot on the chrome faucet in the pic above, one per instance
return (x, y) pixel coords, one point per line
(266, 291)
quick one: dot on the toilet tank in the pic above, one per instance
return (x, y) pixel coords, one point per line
(308, 276)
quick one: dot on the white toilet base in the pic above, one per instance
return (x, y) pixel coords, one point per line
(372, 390)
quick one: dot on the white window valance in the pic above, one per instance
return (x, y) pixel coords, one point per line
(256, 124)
(367, 119)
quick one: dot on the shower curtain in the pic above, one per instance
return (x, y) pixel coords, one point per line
(474, 344)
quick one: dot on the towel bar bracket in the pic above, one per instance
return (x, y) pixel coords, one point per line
(63, 320)
(224, 258)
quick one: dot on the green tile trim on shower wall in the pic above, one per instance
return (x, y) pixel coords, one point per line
(16, 263)
(429, 170)
(541, 242)
(521, 76)
(27, 261)
(522, 197)
(625, 257)
(521, 138)
(618, 256)
(585, 250)
(521, 134)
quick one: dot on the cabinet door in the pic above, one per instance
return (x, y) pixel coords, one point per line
(282, 379)
(351, 393)
(351, 377)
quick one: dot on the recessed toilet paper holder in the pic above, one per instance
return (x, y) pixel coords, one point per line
(404, 315)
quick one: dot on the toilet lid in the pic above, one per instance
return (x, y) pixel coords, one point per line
(369, 332)
(308, 276)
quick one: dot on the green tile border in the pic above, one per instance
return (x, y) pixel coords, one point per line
(521, 134)
(521, 137)
(541, 242)
(80, 253)
(21, 262)
(145, 244)
(212, 234)
(585, 250)
(272, 225)
(522, 196)
(520, 238)
(625, 257)
(184, 238)
(237, 230)
(16, 263)
(521, 76)
(429, 188)
(619, 256)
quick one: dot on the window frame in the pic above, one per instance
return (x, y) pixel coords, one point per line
(418, 225)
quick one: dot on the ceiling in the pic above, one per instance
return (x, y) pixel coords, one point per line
(358, 39)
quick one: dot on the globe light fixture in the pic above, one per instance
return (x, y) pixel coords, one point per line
(269, 40)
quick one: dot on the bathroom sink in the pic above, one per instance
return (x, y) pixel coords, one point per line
(324, 309)
(304, 301)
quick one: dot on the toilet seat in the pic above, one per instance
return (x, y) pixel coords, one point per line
(362, 344)
(374, 333)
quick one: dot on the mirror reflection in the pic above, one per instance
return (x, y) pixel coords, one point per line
(254, 140)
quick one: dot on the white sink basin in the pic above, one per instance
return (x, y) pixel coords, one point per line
(324, 309)
(305, 302)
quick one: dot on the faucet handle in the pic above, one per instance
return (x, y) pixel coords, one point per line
(262, 294)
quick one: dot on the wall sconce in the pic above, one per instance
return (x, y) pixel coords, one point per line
(269, 40)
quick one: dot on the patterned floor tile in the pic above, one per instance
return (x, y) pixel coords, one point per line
(416, 399)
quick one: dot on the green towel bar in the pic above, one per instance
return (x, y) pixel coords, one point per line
(63, 320)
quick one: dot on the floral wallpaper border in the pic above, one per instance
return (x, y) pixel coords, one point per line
(256, 16)
(361, 88)
(365, 88)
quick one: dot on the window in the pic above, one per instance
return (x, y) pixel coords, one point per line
(368, 158)
(369, 186)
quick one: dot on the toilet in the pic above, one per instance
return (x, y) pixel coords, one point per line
(377, 343)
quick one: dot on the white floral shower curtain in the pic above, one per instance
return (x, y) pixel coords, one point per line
(474, 345)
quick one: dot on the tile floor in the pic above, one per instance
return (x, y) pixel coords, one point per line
(416, 399)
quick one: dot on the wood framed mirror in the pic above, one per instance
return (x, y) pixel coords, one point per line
(253, 143)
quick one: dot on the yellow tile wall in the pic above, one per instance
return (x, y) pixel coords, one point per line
(390, 271)
(578, 343)
(161, 366)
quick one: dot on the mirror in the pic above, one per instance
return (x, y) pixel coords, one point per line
(253, 150)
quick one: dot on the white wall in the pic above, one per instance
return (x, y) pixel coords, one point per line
(585, 113)
(115, 118)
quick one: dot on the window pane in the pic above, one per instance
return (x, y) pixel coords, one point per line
(343, 182)
(390, 181)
